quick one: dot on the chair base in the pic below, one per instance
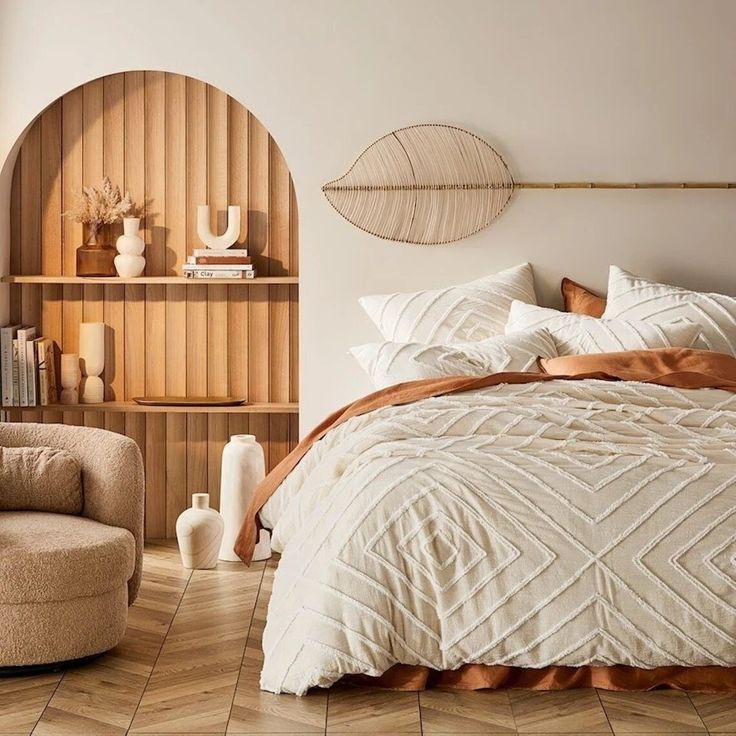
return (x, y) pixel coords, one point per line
(41, 669)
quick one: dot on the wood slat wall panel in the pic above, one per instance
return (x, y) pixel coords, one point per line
(173, 143)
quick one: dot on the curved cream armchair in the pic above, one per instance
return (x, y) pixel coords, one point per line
(66, 581)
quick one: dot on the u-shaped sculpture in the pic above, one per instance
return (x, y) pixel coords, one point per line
(218, 242)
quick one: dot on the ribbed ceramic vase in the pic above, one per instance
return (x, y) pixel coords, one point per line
(243, 468)
(199, 533)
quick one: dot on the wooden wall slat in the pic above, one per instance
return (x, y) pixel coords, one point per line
(174, 143)
(113, 156)
(196, 181)
(176, 296)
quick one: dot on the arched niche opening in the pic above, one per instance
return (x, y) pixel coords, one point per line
(173, 142)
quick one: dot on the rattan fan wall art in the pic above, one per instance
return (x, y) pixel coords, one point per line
(433, 184)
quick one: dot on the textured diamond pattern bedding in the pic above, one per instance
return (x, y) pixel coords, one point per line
(547, 523)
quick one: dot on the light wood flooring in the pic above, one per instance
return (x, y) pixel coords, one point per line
(190, 660)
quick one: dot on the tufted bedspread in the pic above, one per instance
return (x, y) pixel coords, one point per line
(560, 522)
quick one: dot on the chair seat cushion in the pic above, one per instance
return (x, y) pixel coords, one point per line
(55, 557)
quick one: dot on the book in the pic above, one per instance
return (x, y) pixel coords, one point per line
(46, 356)
(218, 267)
(7, 334)
(197, 252)
(205, 273)
(221, 260)
(16, 385)
(32, 371)
(25, 334)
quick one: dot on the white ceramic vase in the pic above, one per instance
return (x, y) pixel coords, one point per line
(243, 468)
(130, 263)
(199, 533)
(70, 377)
(92, 361)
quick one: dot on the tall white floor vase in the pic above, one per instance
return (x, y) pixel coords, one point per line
(243, 468)
(199, 533)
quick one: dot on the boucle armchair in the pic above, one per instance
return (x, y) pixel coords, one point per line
(67, 579)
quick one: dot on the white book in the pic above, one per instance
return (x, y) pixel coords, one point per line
(7, 334)
(208, 274)
(218, 267)
(16, 385)
(32, 370)
(198, 252)
(25, 335)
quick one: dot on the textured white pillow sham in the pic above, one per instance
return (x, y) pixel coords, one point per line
(577, 334)
(464, 313)
(632, 297)
(387, 363)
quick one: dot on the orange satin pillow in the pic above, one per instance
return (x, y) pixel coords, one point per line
(579, 300)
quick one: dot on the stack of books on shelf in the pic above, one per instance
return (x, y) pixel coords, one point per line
(206, 263)
(28, 367)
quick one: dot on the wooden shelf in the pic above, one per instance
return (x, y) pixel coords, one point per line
(131, 406)
(37, 279)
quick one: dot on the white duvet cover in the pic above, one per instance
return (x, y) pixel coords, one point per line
(566, 523)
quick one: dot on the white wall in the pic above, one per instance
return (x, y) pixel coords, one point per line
(564, 89)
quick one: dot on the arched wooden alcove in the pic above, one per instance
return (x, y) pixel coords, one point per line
(174, 142)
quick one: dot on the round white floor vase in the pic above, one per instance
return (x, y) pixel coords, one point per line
(130, 245)
(199, 534)
(243, 468)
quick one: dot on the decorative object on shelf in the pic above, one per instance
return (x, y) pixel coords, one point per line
(188, 400)
(243, 468)
(96, 208)
(130, 245)
(92, 361)
(218, 242)
(199, 533)
(70, 377)
(434, 184)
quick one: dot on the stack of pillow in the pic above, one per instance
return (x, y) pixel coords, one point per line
(494, 325)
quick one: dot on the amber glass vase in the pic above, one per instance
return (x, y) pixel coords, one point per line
(96, 257)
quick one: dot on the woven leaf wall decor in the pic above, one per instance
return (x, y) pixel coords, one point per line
(426, 184)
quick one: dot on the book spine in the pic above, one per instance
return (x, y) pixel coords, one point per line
(229, 252)
(31, 373)
(222, 261)
(217, 267)
(208, 274)
(43, 373)
(16, 376)
(51, 371)
(22, 368)
(6, 363)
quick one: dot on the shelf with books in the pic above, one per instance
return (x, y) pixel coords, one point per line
(39, 279)
(132, 407)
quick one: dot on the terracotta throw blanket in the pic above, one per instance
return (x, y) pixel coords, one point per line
(677, 368)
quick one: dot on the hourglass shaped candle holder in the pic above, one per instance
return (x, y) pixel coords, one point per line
(92, 360)
(70, 376)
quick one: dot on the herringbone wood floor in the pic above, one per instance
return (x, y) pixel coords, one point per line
(190, 663)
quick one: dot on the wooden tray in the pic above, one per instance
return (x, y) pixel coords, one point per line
(188, 400)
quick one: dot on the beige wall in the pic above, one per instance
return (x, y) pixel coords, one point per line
(565, 89)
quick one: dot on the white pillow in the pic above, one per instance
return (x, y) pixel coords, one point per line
(632, 297)
(465, 313)
(387, 363)
(578, 334)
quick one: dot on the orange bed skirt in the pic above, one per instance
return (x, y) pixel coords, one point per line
(616, 677)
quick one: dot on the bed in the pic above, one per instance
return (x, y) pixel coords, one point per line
(578, 518)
